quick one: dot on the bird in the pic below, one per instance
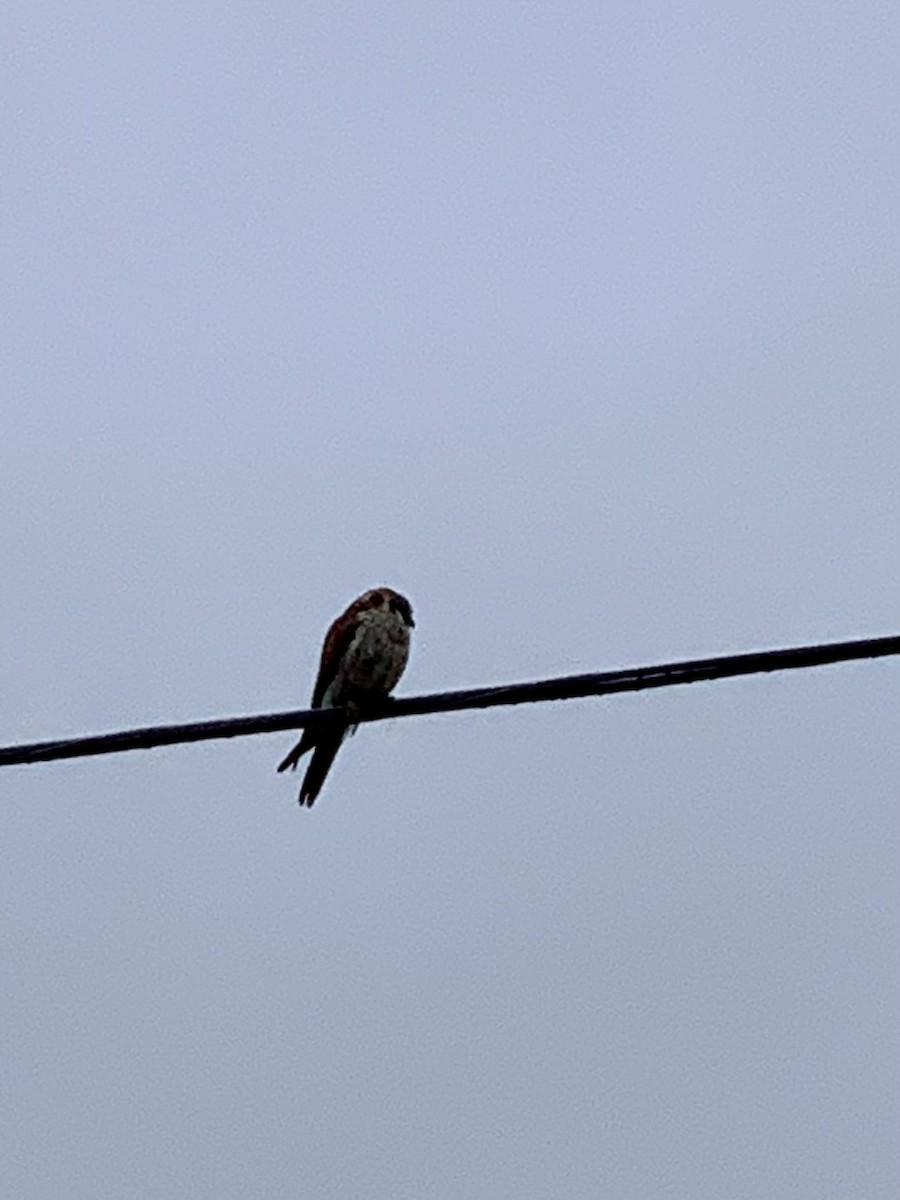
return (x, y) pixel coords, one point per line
(364, 654)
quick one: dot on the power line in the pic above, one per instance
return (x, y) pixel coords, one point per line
(566, 687)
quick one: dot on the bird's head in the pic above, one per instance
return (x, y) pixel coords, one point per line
(385, 599)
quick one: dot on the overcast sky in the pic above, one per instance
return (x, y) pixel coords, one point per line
(577, 323)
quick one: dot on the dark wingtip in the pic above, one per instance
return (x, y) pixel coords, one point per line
(293, 756)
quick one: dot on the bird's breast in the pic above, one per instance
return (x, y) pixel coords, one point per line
(375, 658)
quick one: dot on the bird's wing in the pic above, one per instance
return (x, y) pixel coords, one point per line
(337, 641)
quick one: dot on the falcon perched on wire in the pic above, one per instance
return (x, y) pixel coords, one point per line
(363, 657)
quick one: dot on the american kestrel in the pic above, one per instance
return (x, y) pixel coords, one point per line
(363, 657)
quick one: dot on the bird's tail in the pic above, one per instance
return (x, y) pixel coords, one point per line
(320, 764)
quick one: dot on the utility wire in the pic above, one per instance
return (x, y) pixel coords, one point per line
(566, 687)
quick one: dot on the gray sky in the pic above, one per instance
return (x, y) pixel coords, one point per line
(578, 324)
